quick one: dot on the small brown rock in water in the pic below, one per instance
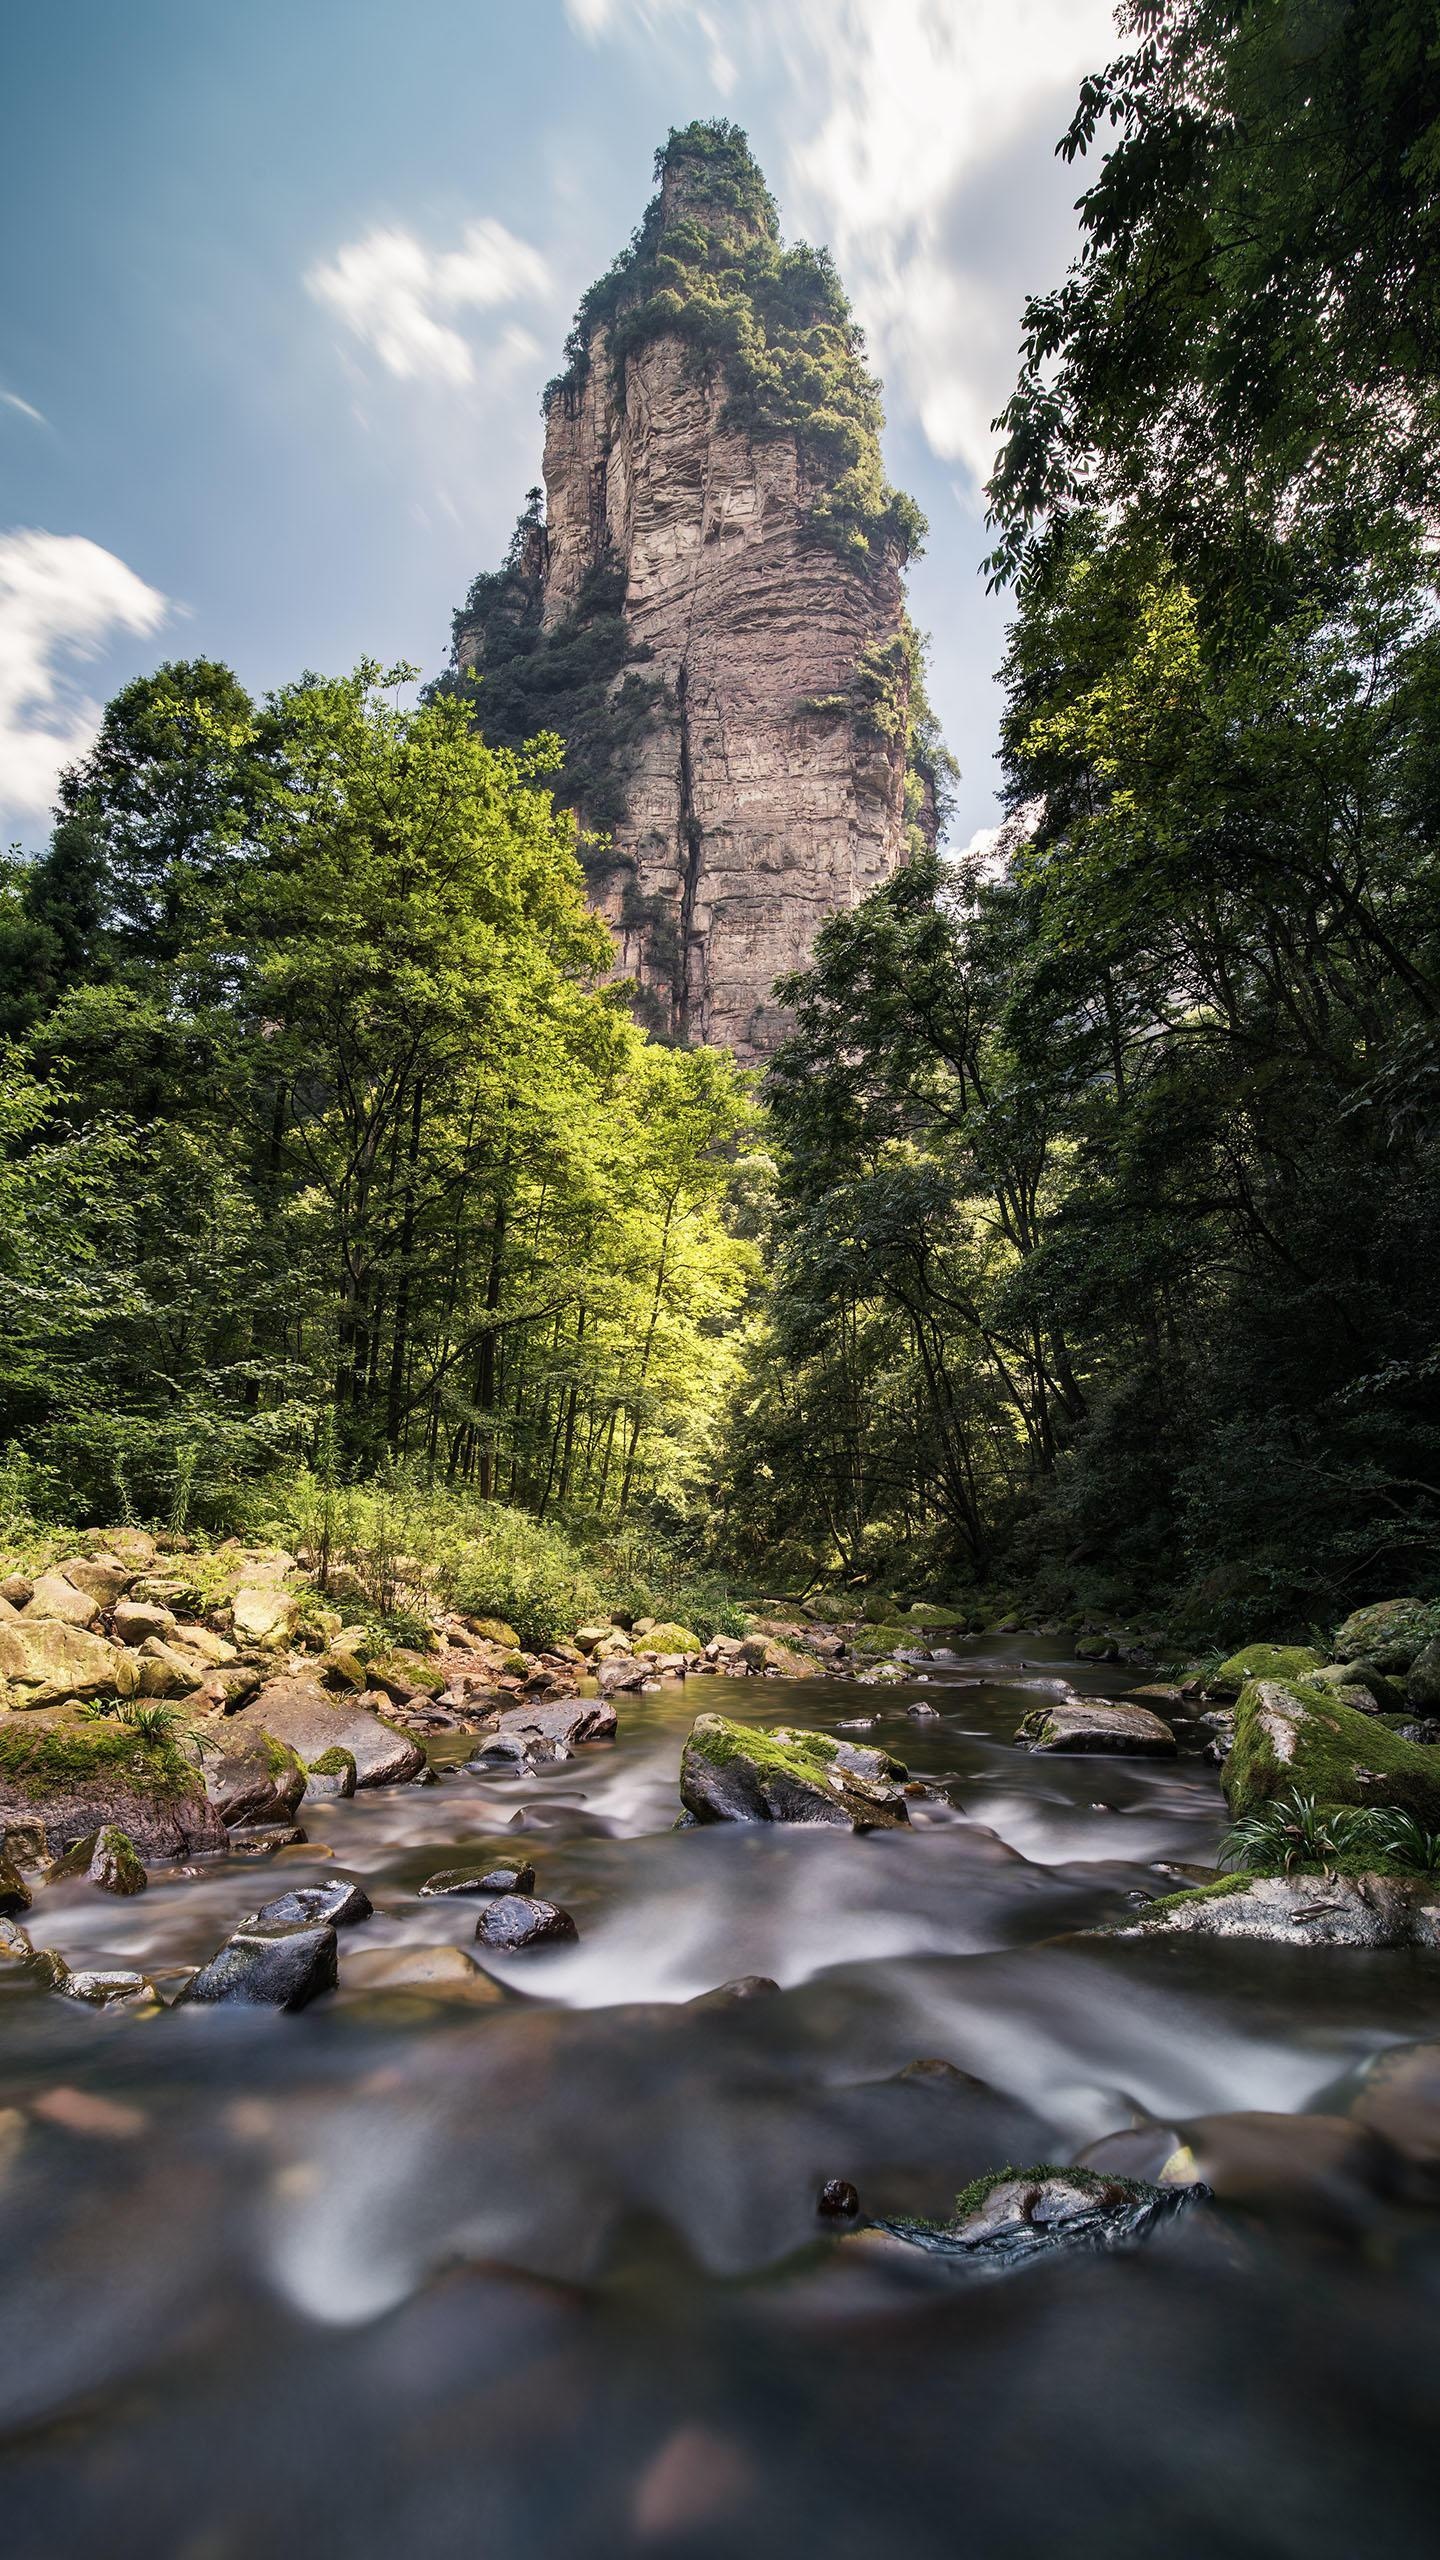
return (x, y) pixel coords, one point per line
(838, 2200)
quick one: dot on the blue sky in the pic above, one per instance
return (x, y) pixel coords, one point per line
(286, 282)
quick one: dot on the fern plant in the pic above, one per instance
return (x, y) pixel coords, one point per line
(1296, 1831)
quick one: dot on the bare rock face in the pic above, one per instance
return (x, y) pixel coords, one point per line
(764, 690)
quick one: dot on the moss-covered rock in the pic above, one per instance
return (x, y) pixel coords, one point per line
(1301, 1739)
(1315, 1908)
(108, 1859)
(745, 1773)
(75, 1774)
(1262, 1662)
(497, 1631)
(1389, 1633)
(668, 1637)
(1012, 2215)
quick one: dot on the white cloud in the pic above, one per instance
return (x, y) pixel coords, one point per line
(596, 18)
(61, 597)
(398, 296)
(924, 155)
(12, 400)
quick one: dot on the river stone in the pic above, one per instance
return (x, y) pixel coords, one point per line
(519, 1879)
(534, 1736)
(1298, 1911)
(14, 1891)
(73, 1775)
(135, 1620)
(282, 1969)
(263, 1611)
(107, 1859)
(313, 1721)
(15, 1947)
(55, 1596)
(105, 1576)
(106, 1987)
(516, 1920)
(1097, 1725)
(745, 1773)
(338, 1904)
(262, 1839)
(45, 1663)
(249, 1777)
(1023, 2214)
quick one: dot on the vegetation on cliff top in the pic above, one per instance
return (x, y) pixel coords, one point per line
(707, 266)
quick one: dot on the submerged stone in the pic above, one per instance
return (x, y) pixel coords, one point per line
(733, 1995)
(746, 1773)
(517, 1879)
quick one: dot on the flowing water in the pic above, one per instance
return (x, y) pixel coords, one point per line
(542, 2275)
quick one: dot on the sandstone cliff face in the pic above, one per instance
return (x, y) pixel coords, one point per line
(765, 787)
(753, 814)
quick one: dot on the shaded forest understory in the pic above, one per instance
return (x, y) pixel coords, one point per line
(1081, 1240)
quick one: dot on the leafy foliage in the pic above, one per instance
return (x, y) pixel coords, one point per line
(327, 1142)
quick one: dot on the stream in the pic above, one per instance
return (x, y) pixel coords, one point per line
(538, 2271)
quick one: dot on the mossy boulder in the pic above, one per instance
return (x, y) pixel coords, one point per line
(497, 1631)
(76, 1774)
(1390, 1633)
(108, 1859)
(1300, 1739)
(746, 1773)
(1262, 1662)
(1422, 1680)
(666, 1636)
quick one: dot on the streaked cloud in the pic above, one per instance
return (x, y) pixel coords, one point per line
(401, 298)
(23, 408)
(61, 599)
(923, 153)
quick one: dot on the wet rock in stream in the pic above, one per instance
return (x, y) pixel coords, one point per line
(537, 1735)
(516, 1879)
(107, 1859)
(746, 1773)
(1014, 2216)
(339, 1905)
(517, 1920)
(1097, 1725)
(1297, 1911)
(260, 1968)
